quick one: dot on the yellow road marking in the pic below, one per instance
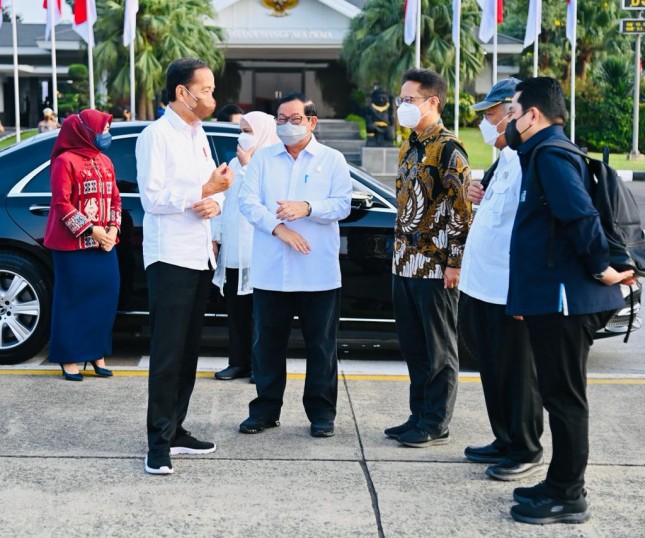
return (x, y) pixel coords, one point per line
(350, 377)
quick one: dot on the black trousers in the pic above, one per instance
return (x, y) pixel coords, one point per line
(509, 380)
(239, 309)
(177, 297)
(561, 347)
(426, 323)
(319, 314)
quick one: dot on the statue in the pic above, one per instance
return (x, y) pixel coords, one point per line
(379, 119)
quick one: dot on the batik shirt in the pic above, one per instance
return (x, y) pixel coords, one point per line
(433, 215)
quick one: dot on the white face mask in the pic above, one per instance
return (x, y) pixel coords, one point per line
(247, 141)
(409, 115)
(291, 134)
(489, 131)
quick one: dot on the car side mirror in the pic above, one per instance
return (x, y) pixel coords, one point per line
(362, 200)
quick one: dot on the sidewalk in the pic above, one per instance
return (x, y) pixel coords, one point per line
(71, 464)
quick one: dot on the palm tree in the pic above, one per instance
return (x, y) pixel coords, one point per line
(374, 50)
(166, 30)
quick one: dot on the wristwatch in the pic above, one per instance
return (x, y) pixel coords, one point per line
(89, 231)
(600, 276)
(308, 208)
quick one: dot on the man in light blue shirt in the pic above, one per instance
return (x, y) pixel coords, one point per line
(294, 194)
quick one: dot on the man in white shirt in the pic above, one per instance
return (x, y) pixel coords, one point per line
(501, 343)
(181, 190)
(294, 194)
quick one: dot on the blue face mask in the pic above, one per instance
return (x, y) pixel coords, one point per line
(102, 141)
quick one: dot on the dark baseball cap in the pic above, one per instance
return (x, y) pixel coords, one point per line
(502, 92)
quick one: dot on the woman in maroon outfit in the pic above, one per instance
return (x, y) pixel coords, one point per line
(82, 230)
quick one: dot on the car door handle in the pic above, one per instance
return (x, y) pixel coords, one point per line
(39, 209)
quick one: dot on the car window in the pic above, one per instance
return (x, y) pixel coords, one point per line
(225, 148)
(121, 152)
(39, 183)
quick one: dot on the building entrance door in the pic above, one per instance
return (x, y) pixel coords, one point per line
(270, 86)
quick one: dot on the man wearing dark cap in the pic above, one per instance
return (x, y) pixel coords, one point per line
(501, 343)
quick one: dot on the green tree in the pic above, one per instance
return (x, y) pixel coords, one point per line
(597, 35)
(374, 50)
(166, 30)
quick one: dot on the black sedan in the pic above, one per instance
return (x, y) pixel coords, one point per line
(26, 269)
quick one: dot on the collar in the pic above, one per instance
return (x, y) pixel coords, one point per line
(539, 137)
(314, 147)
(507, 154)
(432, 131)
(178, 123)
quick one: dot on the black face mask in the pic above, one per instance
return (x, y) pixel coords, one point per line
(513, 136)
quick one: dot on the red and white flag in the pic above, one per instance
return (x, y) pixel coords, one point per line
(533, 23)
(84, 19)
(488, 23)
(572, 14)
(130, 21)
(53, 15)
(410, 8)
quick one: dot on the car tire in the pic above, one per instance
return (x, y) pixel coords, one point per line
(25, 307)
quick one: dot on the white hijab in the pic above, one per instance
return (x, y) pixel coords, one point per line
(264, 131)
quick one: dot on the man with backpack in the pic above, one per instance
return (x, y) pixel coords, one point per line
(562, 286)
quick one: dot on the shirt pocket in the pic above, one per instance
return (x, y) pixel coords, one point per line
(496, 197)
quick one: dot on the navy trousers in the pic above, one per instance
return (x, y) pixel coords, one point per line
(426, 323)
(319, 314)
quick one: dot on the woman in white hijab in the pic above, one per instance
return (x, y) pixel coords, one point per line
(232, 242)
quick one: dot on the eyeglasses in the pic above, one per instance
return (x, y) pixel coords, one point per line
(410, 100)
(295, 119)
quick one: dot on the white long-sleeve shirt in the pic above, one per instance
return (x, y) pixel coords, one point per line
(485, 265)
(320, 176)
(173, 162)
(235, 235)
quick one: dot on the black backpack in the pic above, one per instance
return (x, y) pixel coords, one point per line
(619, 214)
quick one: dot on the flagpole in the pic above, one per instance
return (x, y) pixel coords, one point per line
(417, 42)
(457, 64)
(573, 73)
(495, 60)
(538, 24)
(52, 37)
(90, 65)
(132, 105)
(16, 84)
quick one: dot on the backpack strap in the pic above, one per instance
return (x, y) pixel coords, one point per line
(488, 176)
(561, 144)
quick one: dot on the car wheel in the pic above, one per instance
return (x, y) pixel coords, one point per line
(25, 307)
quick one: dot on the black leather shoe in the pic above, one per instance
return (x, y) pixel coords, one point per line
(322, 429)
(484, 454)
(510, 470)
(257, 425)
(232, 372)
